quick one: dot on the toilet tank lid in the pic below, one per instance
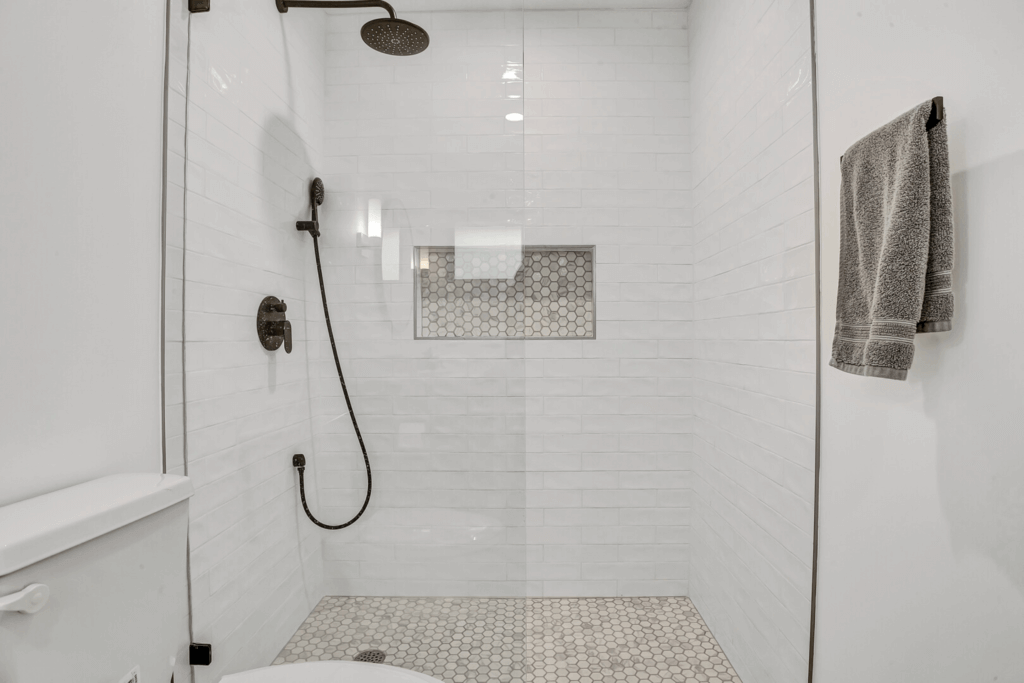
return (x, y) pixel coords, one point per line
(41, 527)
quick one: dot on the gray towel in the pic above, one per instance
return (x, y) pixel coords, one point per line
(896, 246)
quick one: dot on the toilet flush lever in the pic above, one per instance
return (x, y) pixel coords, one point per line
(29, 600)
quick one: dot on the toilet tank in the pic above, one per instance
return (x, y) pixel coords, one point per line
(112, 553)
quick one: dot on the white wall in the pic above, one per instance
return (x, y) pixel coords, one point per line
(922, 514)
(81, 143)
(254, 139)
(754, 311)
(603, 491)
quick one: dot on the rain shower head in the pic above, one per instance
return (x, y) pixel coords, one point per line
(395, 37)
(392, 36)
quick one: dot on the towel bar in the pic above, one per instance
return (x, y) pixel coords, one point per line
(938, 112)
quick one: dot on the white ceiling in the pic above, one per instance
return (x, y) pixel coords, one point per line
(513, 5)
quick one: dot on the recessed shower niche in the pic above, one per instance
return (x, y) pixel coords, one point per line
(536, 292)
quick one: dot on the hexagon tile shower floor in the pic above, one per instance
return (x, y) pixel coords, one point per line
(520, 640)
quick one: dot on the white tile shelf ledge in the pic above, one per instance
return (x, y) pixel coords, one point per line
(551, 295)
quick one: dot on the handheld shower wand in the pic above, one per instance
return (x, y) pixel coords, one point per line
(316, 198)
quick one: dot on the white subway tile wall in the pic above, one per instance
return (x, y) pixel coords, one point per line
(754, 312)
(608, 421)
(556, 467)
(426, 137)
(254, 140)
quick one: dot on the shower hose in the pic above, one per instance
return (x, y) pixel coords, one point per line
(299, 461)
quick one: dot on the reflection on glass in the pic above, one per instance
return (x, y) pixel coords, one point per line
(389, 255)
(494, 253)
(373, 222)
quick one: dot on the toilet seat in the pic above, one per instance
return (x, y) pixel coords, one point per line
(329, 672)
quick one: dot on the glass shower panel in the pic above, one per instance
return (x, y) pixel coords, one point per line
(423, 154)
(608, 408)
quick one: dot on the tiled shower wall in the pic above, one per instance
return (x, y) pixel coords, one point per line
(550, 467)
(754, 309)
(608, 420)
(443, 421)
(254, 138)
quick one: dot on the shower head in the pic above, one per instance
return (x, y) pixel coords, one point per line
(316, 198)
(392, 36)
(395, 37)
(316, 192)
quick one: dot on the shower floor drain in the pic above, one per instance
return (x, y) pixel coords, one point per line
(372, 656)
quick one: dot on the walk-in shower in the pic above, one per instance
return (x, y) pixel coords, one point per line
(548, 471)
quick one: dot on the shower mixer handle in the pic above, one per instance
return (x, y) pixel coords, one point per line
(280, 332)
(272, 327)
(276, 312)
(284, 329)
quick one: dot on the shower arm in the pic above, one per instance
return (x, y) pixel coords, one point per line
(283, 5)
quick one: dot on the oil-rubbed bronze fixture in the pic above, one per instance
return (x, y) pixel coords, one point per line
(392, 36)
(271, 325)
(316, 198)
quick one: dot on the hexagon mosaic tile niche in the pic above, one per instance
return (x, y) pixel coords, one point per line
(551, 295)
